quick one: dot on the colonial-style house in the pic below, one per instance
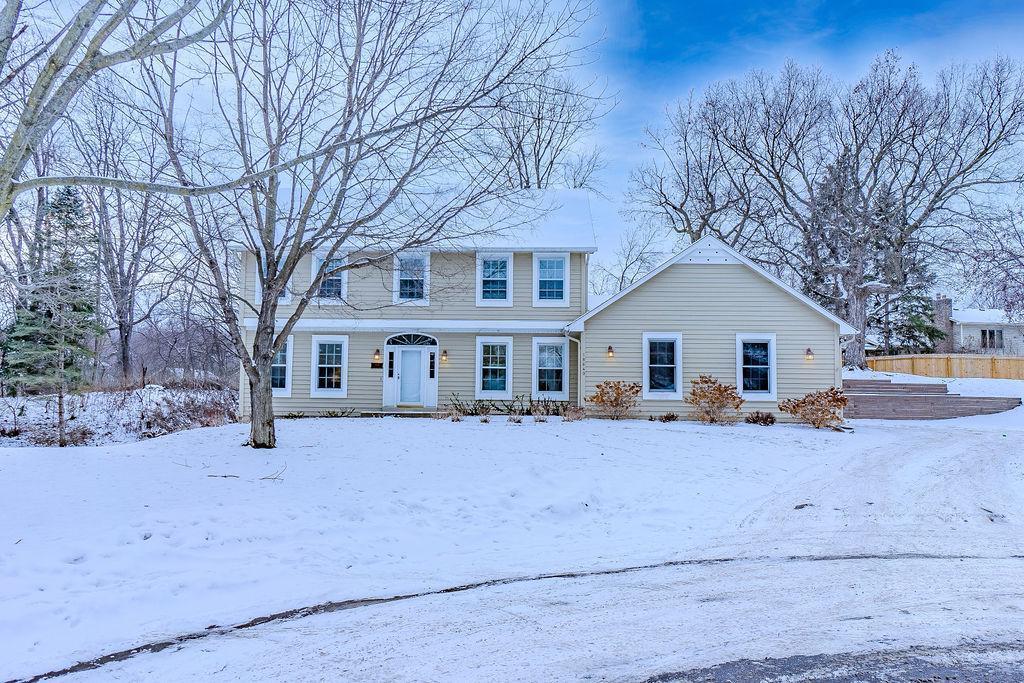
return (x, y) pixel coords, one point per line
(509, 318)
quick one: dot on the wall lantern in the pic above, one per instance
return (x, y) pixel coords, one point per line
(444, 356)
(808, 354)
(376, 355)
(611, 351)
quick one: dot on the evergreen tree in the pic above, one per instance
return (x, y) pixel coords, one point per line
(48, 345)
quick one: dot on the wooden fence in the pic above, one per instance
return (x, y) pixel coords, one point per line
(952, 365)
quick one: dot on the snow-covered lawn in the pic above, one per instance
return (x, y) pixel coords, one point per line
(102, 548)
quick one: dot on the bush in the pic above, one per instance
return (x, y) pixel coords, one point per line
(540, 414)
(515, 419)
(668, 417)
(818, 409)
(615, 400)
(760, 417)
(573, 414)
(714, 402)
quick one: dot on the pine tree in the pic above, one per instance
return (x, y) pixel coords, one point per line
(48, 345)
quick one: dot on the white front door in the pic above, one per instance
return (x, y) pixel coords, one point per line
(410, 376)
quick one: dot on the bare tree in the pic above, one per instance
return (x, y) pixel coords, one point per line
(381, 106)
(994, 265)
(640, 250)
(813, 175)
(63, 54)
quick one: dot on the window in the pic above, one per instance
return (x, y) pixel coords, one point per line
(663, 377)
(755, 366)
(281, 370)
(412, 279)
(494, 367)
(334, 286)
(494, 280)
(550, 279)
(991, 339)
(329, 366)
(283, 298)
(550, 367)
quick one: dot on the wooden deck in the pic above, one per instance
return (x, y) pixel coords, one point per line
(884, 400)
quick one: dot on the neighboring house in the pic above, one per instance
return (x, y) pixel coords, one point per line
(510, 318)
(977, 330)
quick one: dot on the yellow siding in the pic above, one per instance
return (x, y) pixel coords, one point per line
(708, 305)
(365, 384)
(452, 291)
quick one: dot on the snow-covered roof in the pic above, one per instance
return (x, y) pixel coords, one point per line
(981, 315)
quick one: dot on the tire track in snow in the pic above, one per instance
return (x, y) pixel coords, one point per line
(341, 605)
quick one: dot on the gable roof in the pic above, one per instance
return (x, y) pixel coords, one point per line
(981, 316)
(709, 249)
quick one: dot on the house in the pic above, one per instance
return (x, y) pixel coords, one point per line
(510, 318)
(977, 330)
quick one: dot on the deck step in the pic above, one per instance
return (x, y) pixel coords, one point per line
(862, 386)
(924, 407)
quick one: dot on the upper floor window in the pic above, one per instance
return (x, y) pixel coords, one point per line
(494, 280)
(334, 286)
(286, 292)
(663, 376)
(281, 370)
(550, 279)
(412, 279)
(755, 366)
(991, 339)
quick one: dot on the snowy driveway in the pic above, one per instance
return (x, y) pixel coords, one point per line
(106, 548)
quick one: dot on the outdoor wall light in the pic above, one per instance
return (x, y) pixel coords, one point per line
(444, 356)
(808, 354)
(611, 351)
(376, 355)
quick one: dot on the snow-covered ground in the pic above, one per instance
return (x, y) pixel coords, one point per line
(103, 548)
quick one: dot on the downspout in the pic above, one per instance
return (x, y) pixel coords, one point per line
(579, 368)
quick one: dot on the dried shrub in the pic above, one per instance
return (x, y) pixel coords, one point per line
(539, 413)
(714, 402)
(547, 407)
(515, 418)
(818, 409)
(668, 417)
(760, 417)
(76, 436)
(485, 419)
(615, 400)
(164, 412)
(573, 414)
(452, 413)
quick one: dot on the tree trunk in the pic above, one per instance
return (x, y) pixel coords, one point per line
(124, 340)
(856, 315)
(261, 408)
(62, 429)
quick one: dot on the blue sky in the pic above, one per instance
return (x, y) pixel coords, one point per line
(655, 52)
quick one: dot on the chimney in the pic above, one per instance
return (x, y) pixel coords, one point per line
(942, 312)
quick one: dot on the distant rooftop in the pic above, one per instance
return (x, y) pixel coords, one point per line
(981, 315)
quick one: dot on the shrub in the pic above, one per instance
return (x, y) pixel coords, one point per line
(539, 413)
(714, 402)
(615, 400)
(484, 419)
(515, 419)
(668, 417)
(760, 417)
(573, 414)
(818, 409)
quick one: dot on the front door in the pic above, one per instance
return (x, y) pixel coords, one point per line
(410, 377)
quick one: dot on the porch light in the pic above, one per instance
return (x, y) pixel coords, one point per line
(376, 355)
(611, 351)
(808, 354)
(444, 356)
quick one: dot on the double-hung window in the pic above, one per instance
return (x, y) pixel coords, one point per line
(551, 279)
(286, 293)
(281, 370)
(329, 366)
(755, 366)
(663, 373)
(991, 339)
(334, 287)
(550, 368)
(412, 279)
(494, 367)
(494, 280)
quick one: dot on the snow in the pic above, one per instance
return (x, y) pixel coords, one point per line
(103, 548)
(980, 316)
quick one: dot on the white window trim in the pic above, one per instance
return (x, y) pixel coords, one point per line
(425, 301)
(286, 392)
(257, 286)
(489, 303)
(314, 359)
(649, 395)
(480, 393)
(315, 264)
(769, 337)
(562, 395)
(551, 303)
